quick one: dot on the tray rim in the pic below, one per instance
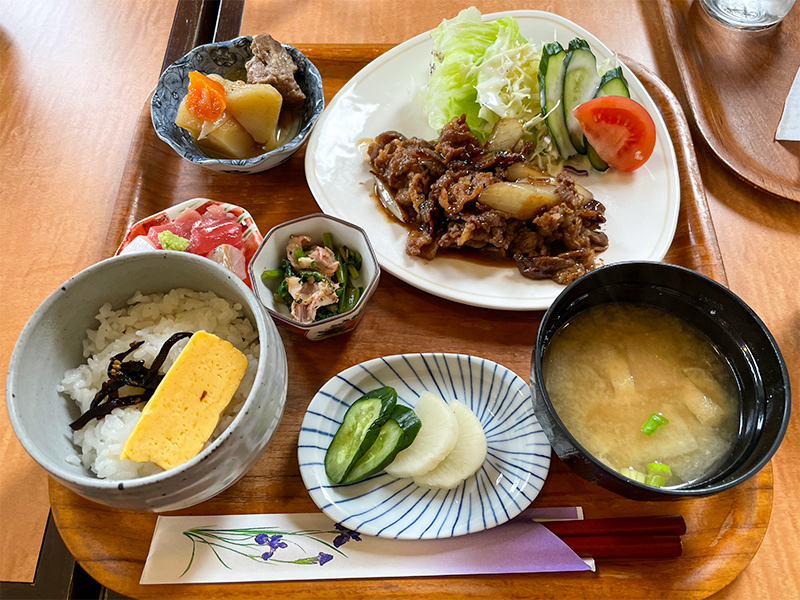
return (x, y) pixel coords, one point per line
(756, 177)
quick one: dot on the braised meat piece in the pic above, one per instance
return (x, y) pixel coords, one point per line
(439, 186)
(272, 64)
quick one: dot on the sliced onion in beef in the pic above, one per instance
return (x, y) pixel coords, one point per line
(520, 200)
(505, 134)
(586, 194)
(387, 200)
(523, 170)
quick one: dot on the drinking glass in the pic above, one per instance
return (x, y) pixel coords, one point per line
(748, 15)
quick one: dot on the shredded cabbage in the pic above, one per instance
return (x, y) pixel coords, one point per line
(487, 71)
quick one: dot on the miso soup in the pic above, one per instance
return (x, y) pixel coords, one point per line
(613, 366)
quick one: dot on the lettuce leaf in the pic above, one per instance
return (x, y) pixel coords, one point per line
(486, 71)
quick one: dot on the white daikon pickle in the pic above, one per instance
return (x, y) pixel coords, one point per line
(466, 457)
(436, 438)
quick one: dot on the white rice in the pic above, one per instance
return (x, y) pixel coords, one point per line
(152, 318)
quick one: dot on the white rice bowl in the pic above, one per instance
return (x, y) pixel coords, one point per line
(152, 318)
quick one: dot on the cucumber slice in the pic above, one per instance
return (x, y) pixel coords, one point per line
(612, 83)
(358, 431)
(395, 435)
(581, 81)
(409, 421)
(380, 454)
(598, 164)
(552, 68)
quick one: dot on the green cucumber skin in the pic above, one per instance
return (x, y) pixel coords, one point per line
(388, 397)
(612, 83)
(598, 164)
(349, 438)
(551, 79)
(409, 421)
(380, 454)
(343, 452)
(580, 84)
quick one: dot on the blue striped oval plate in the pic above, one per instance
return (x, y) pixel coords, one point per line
(515, 469)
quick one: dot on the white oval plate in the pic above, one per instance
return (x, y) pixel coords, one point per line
(515, 469)
(641, 207)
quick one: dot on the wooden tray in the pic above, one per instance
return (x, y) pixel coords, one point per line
(736, 83)
(724, 531)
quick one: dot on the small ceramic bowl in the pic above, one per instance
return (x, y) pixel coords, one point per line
(51, 344)
(739, 335)
(135, 239)
(273, 250)
(222, 58)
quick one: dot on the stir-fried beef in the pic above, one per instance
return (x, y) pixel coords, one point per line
(272, 64)
(438, 184)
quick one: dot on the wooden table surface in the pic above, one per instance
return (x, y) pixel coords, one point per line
(75, 75)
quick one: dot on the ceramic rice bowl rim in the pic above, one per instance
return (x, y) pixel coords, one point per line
(138, 482)
(236, 165)
(365, 296)
(676, 492)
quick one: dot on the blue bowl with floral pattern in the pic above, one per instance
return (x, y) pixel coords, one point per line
(223, 58)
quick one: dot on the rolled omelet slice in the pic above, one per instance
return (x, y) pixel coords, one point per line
(184, 410)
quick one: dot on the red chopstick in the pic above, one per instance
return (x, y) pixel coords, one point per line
(625, 546)
(669, 524)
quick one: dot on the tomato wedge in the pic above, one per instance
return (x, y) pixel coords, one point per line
(619, 129)
(206, 97)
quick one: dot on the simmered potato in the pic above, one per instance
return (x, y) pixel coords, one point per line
(229, 139)
(256, 106)
(224, 136)
(188, 121)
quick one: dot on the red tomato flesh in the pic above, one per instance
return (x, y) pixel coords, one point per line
(619, 129)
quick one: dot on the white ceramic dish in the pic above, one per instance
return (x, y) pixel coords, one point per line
(515, 469)
(273, 249)
(641, 207)
(51, 343)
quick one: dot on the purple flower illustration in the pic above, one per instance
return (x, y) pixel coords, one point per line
(273, 541)
(261, 543)
(345, 536)
(319, 559)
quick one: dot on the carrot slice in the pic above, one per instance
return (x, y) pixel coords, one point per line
(206, 98)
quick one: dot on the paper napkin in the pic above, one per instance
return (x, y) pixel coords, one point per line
(275, 547)
(789, 126)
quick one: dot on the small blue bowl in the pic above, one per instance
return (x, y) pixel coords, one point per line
(221, 58)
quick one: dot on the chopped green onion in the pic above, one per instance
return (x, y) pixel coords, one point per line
(654, 480)
(299, 253)
(656, 468)
(327, 241)
(272, 274)
(653, 422)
